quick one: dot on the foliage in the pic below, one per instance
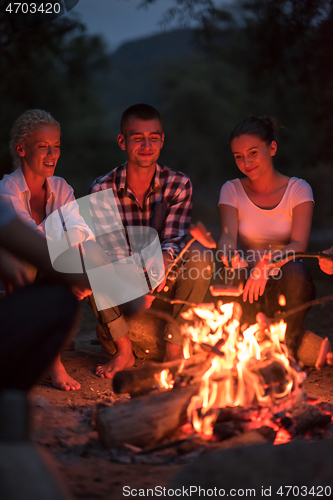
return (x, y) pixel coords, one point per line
(54, 67)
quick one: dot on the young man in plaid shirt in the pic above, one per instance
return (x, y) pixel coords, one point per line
(147, 193)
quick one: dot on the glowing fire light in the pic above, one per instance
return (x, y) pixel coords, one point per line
(253, 369)
(165, 379)
(282, 300)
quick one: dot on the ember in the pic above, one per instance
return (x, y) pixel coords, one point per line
(252, 368)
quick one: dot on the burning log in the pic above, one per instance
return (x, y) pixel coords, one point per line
(143, 380)
(144, 420)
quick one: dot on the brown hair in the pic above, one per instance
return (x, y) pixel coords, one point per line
(141, 112)
(264, 127)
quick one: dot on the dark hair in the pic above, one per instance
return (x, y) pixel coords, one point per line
(264, 127)
(141, 112)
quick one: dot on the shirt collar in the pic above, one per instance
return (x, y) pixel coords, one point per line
(20, 180)
(158, 175)
(157, 179)
(23, 186)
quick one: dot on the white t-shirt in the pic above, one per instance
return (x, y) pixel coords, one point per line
(263, 230)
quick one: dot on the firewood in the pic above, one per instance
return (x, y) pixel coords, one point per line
(142, 380)
(143, 421)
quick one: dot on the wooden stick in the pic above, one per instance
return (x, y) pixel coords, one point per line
(199, 233)
(300, 255)
(180, 255)
(174, 301)
(282, 315)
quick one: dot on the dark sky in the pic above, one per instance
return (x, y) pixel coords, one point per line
(121, 20)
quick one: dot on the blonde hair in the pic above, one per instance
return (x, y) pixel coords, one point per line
(25, 126)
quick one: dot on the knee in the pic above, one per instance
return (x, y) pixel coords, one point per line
(296, 271)
(297, 278)
(64, 303)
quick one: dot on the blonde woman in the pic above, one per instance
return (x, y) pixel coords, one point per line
(34, 193)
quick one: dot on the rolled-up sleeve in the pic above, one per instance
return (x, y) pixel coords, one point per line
(177, 220)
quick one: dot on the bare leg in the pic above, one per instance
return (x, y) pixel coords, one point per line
(60, 378)
(173, 351)
(122, 359)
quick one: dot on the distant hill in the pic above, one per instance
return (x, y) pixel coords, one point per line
(136, 70)
(156, 49)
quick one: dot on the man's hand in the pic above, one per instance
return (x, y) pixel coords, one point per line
(327, 265)
(13, 272)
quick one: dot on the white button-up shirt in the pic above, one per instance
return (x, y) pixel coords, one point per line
(15, 192)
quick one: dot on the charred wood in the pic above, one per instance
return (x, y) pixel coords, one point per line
(139, 381)
(145, 420)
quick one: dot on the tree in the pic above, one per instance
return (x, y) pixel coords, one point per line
(56, 67)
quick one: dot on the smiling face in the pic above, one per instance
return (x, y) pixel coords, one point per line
(40, 152)
(142, 140)
(252, 155)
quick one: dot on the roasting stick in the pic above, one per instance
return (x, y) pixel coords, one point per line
(300, 255)
(174, 301)
(234, 291)
(199, 233)
(282, 315)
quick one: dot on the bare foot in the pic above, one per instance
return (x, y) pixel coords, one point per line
(173, 351)
(60, 378)
(122, 359)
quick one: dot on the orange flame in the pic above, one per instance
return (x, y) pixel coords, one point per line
(164, 379)
(247, 373)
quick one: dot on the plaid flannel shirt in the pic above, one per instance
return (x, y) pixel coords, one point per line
(170, 187)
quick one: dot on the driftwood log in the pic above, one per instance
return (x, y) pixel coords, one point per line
(144, 420)
(138, 381)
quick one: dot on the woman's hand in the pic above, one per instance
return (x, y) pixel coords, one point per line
(256, 283)
(327, 265)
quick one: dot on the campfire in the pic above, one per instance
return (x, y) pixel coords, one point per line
(234, 381)
(249, 369)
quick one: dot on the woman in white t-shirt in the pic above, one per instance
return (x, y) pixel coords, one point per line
(265, 214)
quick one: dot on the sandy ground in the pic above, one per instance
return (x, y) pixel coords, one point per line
(63, 422)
